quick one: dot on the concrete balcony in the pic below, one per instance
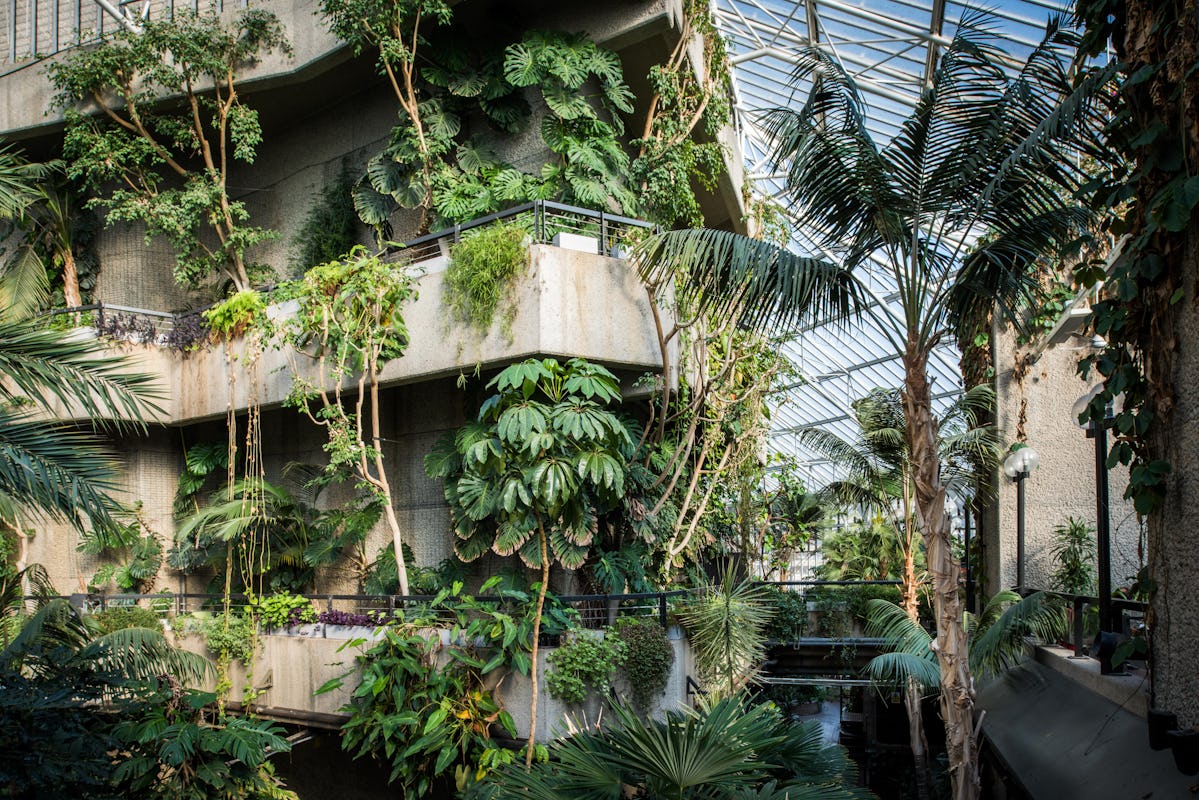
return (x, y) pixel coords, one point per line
(567, 304)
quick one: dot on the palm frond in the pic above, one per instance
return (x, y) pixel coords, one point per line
(142, 654)
(754, 282)
(1006, 624)
(66, 473)
(80, 374)
(24, 284)
(910, 645)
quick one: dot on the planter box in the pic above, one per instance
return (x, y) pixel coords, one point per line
(369, 632)
(310, 630)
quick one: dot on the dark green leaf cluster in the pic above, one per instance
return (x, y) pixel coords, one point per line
(648, 659)
(115, 618)
(1074, 552)
(330, 229)
(106, 716)
(1150, 187)
(585, 663)
(727, 751)
(435, 159)
(422, 708)
(543, 455)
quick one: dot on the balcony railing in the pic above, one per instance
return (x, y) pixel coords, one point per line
(34, 29)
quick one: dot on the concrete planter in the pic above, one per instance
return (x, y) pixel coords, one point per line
(353, 632)
(310, 630)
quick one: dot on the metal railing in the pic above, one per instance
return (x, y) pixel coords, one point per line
(592, 610)
(544, 220)
(31, 30)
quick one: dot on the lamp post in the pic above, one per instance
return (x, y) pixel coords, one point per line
(1016, 466)
(1103, 529)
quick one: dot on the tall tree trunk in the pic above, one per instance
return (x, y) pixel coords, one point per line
(950, 645)
(912, 697)
(393, 522)
(545, 582)
(70, 280)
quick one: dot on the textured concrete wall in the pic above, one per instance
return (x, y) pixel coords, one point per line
(1036, 409)
(1174, 565)
(568, 304)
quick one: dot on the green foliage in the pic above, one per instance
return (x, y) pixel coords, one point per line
(229, 636)
(445, 80)
(115, 618)
(350, 322)
(204, 464)
(381, 577)
(426, 719)
(862, 551)
(168, 159)
(726, 751)
(282, 609)
(241, 311)
(527, 476)
(648, 659)
(330, 229)
(1074, 552)
(482, 269)
(106, 716)
(1150, 191)
(790, 620)
(726, 622)
(138, 552)
(855, 601)
(686, 97)
(586, 662)
(276, 539)
(175, 753)
(998, 637)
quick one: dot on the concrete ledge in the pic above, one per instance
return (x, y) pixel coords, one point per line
(1130, 692)
(567, 304)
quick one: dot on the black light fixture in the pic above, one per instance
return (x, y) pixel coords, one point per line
(1103, 529)
(1022, 460)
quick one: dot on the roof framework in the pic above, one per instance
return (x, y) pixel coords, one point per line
(890, 47)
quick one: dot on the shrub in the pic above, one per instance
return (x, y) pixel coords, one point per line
(585, 663)
(648, 658)
(283, 609)
(117, 618)
(790, 620)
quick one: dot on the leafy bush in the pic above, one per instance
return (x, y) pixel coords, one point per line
(586, 663)
(236, 314)
(790, 620)
(648, 658)
(1074, 552)
(115, 618)
(283, 609)
(330, 230)
(231, 636)
(422, 718)
(481, 269)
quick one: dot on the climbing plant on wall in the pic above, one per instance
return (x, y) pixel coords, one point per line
(437, 159)
(155, 123)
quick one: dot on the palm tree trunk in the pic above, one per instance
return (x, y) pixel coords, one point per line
(957, 696)
(70, 280)
(545, 581)
(912, 703)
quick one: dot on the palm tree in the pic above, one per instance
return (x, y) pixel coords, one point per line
(18, 183)
(50, 226)
(997, 637)
(984, 153)
(879, 478)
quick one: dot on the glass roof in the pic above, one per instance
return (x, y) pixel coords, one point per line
(890, 48)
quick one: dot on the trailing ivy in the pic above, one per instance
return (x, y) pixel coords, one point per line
(482, 269)
(648, 659)
(585, 664)
(1151, 181)
(686, 98)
